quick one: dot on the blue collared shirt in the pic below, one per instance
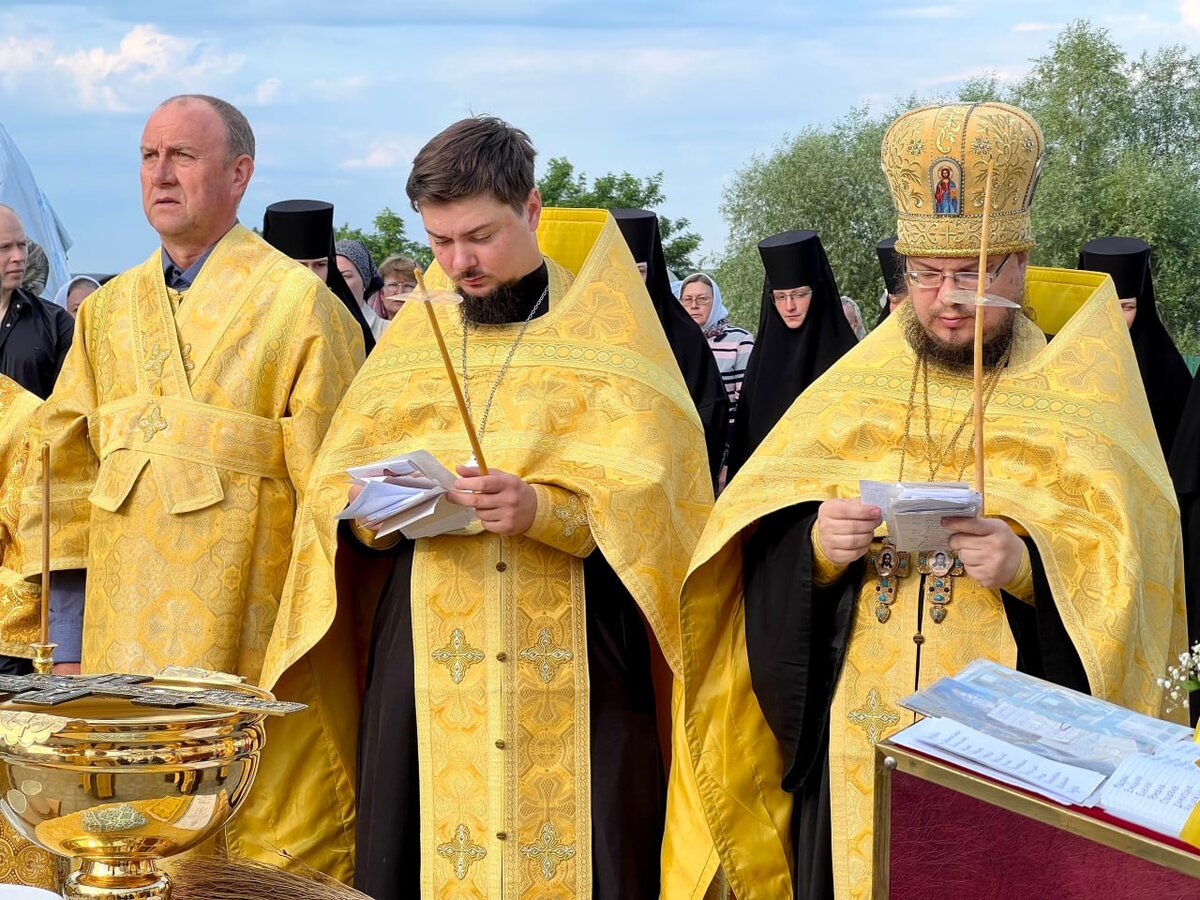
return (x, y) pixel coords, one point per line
(181, 279)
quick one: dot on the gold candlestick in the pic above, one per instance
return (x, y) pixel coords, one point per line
(463, 412)
(981, 295)
(43, 650)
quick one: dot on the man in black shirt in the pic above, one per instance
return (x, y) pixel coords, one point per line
(34, 334)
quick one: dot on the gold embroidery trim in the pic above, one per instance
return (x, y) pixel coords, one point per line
(874, 717)
(457, 656)
(548, 851)
(462, 852)
(546, 655)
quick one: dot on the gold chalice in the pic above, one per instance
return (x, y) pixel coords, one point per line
(113, 772)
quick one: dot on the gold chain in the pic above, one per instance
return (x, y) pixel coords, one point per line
(921, 370)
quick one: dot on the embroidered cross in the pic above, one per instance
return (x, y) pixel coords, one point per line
(158, 358)
(188, 365)
(873, 717)
(546, 655)
(548, 852)
(461, 852)
(458, 656)
(152, 423)
(572, 517)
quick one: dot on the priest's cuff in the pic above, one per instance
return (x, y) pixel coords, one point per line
(825, 571)
(561, 521)
(369, 539)
(1021, 585)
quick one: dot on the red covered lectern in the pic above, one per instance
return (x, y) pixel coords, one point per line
(944, 832)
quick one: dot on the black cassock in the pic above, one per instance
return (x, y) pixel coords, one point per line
(1184, 464)
(796, 638)
(627, 779)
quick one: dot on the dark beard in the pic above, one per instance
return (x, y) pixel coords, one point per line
(960, 358)
(502, 306)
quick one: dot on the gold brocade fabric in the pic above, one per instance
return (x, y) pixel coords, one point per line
(593, 408)
(180, 446)
(936, 162)
(1072, 459)
(19, 600)
(20, 861)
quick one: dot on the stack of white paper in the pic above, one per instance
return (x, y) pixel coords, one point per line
(407, 493)
(913, 510)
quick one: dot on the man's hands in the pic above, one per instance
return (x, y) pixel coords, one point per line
(845, 529)
(504, 503)
(990, 551)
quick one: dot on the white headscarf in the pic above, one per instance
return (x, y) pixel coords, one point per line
(60, 297)
(717, 312)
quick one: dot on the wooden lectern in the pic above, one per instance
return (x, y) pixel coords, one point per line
(944, 832)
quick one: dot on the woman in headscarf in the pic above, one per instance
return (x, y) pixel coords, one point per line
(730, 345)
(359, 272)
(802, 331)
(72, 294)
(399, 274)
(1164, 373)
(639, 227)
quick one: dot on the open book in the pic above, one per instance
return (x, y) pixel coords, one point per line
(1064, 745)
(407, 493)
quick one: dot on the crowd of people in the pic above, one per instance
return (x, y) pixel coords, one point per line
(606, 686)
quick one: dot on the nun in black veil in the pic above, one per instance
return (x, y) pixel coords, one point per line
(695, 357)
(802, 331)
(303, 230)
(1164, 373)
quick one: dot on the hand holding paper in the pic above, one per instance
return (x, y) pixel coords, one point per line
(405, 493)
(504, 503)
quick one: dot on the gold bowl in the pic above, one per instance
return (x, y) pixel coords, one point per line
(118, 786)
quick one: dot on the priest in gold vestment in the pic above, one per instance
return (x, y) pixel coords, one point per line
(510, 744)
(183, 429)
(20, 861)
(1073, 574)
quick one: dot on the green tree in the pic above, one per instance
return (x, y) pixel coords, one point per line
(561, 186)
(826, 179)
(1121, 159)
(387, 239)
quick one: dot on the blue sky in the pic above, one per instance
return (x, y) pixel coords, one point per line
(341, 96)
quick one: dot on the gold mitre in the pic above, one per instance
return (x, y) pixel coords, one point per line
(936, 161)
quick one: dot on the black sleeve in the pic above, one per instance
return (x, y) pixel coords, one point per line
(796, 635)
(1044, 649)
(64, 326)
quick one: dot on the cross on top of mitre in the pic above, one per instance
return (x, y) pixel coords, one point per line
(52, 690)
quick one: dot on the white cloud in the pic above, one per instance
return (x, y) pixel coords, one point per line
(1189, 13)
(1000, 74)
(267, 91)
(19, 55)
(379, 156)
(929, 12)
(145, 58)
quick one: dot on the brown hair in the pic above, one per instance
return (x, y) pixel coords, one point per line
(400, 266)
(480, 155)
(239, 136)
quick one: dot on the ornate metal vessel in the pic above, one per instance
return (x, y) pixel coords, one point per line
(119, 772)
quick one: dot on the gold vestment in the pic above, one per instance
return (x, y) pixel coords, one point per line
(594, 413)
(1072, 459)
(182, 435)
(20, 861)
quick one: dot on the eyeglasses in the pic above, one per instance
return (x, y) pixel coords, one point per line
(391, 288)
(696, 301)
(798, 294)
(929, 280)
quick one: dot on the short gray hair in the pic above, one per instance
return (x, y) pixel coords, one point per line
(239, 136)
